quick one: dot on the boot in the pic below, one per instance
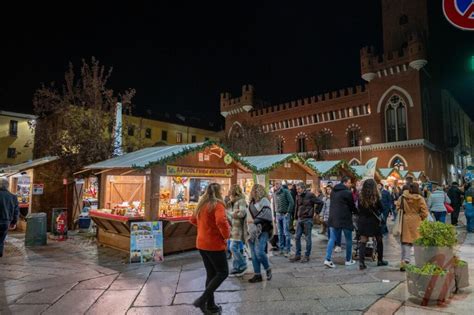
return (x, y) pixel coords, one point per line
(380, 262)
(362, 265)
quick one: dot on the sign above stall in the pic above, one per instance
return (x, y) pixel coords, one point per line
(172, 170)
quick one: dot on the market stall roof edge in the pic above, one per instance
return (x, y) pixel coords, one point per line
(148, 157)
(266, 163)
(326, 168)
(385, 172)
(14, 169)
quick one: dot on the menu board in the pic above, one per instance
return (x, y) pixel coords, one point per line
(146, 242)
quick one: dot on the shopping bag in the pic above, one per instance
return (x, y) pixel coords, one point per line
(449, 208)
(430, 218)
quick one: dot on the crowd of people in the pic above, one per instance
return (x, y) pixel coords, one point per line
(268, 219)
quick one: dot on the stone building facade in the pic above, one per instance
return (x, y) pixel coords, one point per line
(397, 115)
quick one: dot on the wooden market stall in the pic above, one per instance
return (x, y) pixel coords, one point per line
(287, 168)
(40, 187)
(159, 183)
(332, 171)
(390, 176)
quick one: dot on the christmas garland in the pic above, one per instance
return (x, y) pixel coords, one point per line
(333, 171)
(293, 157)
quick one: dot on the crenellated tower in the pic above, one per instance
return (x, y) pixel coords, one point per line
(236, 110)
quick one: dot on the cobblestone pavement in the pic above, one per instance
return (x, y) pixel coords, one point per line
(79, 277)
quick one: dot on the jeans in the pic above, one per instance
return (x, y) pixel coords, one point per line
(304, 226)
(338, 238)
(259, 256)
(440, 216)
(217, 271)
(469, 221)
(3, 235)
(238, 259)
(284, 236)
(335, 232)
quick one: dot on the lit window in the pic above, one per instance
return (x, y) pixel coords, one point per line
(350, 112)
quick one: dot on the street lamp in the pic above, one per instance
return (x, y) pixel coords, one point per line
(367, 140)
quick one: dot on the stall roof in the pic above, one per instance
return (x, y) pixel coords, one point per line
(266, 163)
(27, 165)
(385, 172)
(326, 167)
(360, 170)
(145, 158)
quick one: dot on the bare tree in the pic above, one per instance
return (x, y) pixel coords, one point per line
(248, 139)
(322, 141)
(76, 121)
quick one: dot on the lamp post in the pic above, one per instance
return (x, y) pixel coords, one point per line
(367, 140)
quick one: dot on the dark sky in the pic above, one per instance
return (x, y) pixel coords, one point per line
(179, 56)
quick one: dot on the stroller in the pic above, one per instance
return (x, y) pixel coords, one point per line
(371, 247)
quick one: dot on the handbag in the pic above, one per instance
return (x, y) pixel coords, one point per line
(448, 207)
(397, 228)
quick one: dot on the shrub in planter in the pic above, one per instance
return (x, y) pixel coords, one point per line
(430, 282)
(461, 273)
(435, 244)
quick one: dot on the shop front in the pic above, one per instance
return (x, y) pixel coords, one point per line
(160, 183)
(331, 172)
(286, 168)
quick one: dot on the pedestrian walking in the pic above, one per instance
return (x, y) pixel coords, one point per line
(386, 200)
(9, 212)
(456, 196)
(340, 220)
(413, 208)
(260, 229)
(306, 203)
(436, 204)
(212, 232)
(283, 206)
(292, 189)
(238, 232)
(325, 210)
(371, 221)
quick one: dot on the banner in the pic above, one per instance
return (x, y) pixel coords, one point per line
(370, 166)
(172, 170)
(146, 242)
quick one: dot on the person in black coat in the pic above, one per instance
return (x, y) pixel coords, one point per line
(370, 222)
(8, 212)
(456, 196)
(340, 219)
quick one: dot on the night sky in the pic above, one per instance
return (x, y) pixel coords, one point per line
(180, 56)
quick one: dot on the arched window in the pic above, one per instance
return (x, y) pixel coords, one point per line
(353, 136)
(280, 144)
(325, 137)
(398, 162)
(396, 119)
(301, 144)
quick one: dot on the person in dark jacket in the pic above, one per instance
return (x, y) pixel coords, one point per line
(9, 212)
(370, 221)
(292, 190)
(456, 196)
(340, 219)
(387, 202)
(306, 202)
(283, 205)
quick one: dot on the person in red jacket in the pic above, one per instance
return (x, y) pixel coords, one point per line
(213, 230)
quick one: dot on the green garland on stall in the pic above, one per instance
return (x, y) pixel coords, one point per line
(334, 171)
(187, 150)
(270, 168)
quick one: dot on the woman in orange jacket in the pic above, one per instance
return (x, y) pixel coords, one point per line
(212, 232)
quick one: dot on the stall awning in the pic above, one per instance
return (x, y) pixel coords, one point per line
(326, 168)
(360, 170)
(10, 170)
(266, 163)
(386, 172)
(147, 157)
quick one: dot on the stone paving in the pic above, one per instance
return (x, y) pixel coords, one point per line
(79, 277)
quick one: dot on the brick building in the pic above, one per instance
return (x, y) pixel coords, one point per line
(397, 115)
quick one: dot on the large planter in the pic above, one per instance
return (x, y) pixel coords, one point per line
(431, 288)
(461, 274)
(441, 256)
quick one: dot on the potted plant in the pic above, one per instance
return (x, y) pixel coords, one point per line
(430, 282)
(461, 273)
(435, 244)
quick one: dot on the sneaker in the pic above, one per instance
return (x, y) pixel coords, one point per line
(269, 274)
(305, 259)
(350, 263)
(382, 263)
(295, 258)
(238, 273)
(256, 278)
(329, 264)
(286, 254)
(338, 249)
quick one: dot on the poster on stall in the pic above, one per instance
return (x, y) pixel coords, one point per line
(146, 242)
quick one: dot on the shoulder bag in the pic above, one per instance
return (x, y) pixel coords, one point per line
(448, 207)
(397, 228)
